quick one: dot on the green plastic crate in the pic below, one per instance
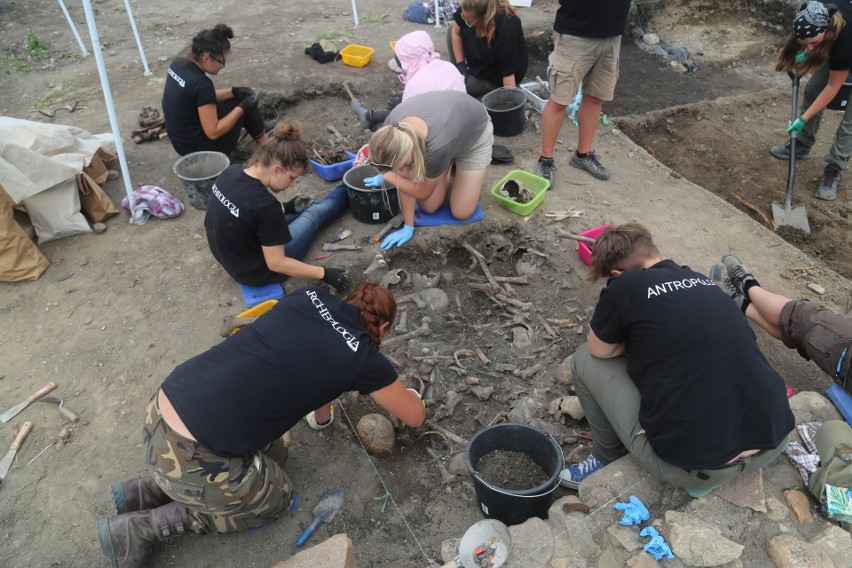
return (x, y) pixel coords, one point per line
(536, 184)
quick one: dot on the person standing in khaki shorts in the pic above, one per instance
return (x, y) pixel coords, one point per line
(586, 46)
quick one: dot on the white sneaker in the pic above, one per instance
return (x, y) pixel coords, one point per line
(312, 421)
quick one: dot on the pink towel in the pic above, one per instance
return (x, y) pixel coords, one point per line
(152, 200)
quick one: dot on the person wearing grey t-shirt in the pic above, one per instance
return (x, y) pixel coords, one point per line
(421, 140)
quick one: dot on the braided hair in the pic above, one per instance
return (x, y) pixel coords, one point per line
(215, 42)
(376, 305)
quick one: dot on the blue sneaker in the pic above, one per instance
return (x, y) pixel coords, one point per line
(572, 476)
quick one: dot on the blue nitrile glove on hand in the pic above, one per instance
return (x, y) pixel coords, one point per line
(801, 57)
(798, 125)
(399, 237)
(375, 181)
(657, 547)
(635, 512)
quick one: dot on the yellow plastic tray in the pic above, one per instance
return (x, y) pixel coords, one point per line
(356, 55)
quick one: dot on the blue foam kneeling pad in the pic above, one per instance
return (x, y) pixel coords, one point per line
(253, 295)
(443, 216)
(842, 400)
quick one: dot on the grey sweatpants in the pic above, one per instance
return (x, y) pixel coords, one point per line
(610, 400)
(841, 149)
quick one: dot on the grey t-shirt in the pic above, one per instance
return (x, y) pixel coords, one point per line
(454, 120)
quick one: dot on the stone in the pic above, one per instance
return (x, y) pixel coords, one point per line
(335, 552)
(609, 559)
(457, 465)
(620, 478)
(563, 374)
(572, 407)
(813, 286)
(745, 491)
(651, 39)
(697, 541)
(524, 410)
(836, 543)
(786, 551)
(532, 543)
(776, 509)
(60, 276)
(642, 559)
(436, 299)
(112, 174)
(800, 504)
(450, 549)
(808, 406)
(553, 407)
(482, 393)
(574, 542)
(99, 228)
(521, 338)
(625, 537)
(377, 433)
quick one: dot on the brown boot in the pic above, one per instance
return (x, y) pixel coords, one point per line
(137, 495)
(128, 539)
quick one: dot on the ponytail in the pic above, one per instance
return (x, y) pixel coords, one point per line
(215, 42)
(395, 144)
(376, 305)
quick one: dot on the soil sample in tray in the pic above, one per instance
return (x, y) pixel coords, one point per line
(511, 470)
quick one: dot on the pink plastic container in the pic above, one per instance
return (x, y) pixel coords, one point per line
(583, 248)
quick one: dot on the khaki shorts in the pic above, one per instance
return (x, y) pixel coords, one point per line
(591, 61)
(478, 156)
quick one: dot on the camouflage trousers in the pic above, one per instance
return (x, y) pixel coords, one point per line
(222, 494)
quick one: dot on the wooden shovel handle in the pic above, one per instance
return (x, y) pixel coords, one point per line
(22, 434)
(41, 392)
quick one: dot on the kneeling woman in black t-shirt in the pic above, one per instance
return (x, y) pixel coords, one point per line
(259, 240)
(199, 116)
(213, 432)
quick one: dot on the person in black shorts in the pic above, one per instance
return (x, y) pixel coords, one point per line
(257, 239)
(817, 333)
(200, 117)
(672, 374)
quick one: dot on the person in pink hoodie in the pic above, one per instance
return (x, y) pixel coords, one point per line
(423, 70)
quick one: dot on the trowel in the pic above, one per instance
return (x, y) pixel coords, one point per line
(324, 512)
(485, 544)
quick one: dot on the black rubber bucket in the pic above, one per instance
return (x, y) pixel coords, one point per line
(370, 204)
(507, 108)
(197, 172)
(507, 505)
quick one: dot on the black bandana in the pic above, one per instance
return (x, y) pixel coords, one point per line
(811, 21)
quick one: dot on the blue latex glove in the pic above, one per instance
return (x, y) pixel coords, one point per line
(635, 512)
(798, 125)
(399, 237)
(801, 57)
(375, 181)
(657, 547)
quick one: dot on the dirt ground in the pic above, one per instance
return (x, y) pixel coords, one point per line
(142, 299)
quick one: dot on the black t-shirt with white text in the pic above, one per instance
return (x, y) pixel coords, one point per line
(505, 55)
(253, 387)
(242, 217)
(187, 88)
(707, 392)
(592, 18)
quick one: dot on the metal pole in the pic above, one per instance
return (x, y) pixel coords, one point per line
(74, 29)
(437, 14)
(113, 121)
(139, 41)
(355, 12)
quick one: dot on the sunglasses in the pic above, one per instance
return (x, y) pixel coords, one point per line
(220, 61)
(382, 167)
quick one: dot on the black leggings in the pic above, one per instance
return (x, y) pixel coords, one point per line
(227, 143)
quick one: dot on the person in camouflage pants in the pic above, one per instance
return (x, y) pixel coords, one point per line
(221, 494)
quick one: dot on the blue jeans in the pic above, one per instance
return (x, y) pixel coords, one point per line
(305, 225)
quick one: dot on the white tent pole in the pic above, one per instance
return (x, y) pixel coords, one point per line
(355, 12)
(437, 14)
(74, 29)
(139, 41)
(113, 121)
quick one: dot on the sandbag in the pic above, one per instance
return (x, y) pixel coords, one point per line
(55, 212)
(20, 258)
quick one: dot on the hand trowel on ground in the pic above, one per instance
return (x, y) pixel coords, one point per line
(6, 463)
(324, 512)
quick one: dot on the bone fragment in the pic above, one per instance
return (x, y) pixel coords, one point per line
(447, 433)
(422, 330)
(482, 393)
(563, 234)
(378, 262)
(418, 301)
(462, 353)
(528, 373)
(481, 259)
(550, 331)
(514, 302)
(471, 381)
(402, 326)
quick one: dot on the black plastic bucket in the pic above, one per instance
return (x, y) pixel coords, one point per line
(370, 204)
(507, 108)
(507, 505)
(197, 172)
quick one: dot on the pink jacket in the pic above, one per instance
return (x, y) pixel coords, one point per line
(423, 68)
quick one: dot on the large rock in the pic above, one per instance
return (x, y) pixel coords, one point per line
(377, 433)
(698, 542)
(574, 544)
(563, 371)
(532, 543)
(836, 543)
(335, 552)
(745, 491)
(620, 478)
(571, 406)
(787, 551)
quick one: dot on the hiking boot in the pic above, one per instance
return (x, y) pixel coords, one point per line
(738, 274)
(827, 189)
(128, 539)
(719, 275)
(591, 164)
(572, 476)
(137, 495)
(782, 151)
(545, 169)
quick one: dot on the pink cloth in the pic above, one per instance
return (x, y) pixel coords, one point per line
(152, 200)
(423, 68)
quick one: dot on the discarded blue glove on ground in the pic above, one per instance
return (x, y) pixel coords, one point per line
(399, 237)
(375, 181)
(635, 511)
(657, 547)
(797, 125)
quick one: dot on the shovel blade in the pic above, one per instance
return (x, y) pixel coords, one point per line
(793, 216)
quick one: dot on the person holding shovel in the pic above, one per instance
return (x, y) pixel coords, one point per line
(257, 239)
(672, 373)
(199, 116)
(416, 150)
(486, 42)
(212, 434)
(820, 43)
